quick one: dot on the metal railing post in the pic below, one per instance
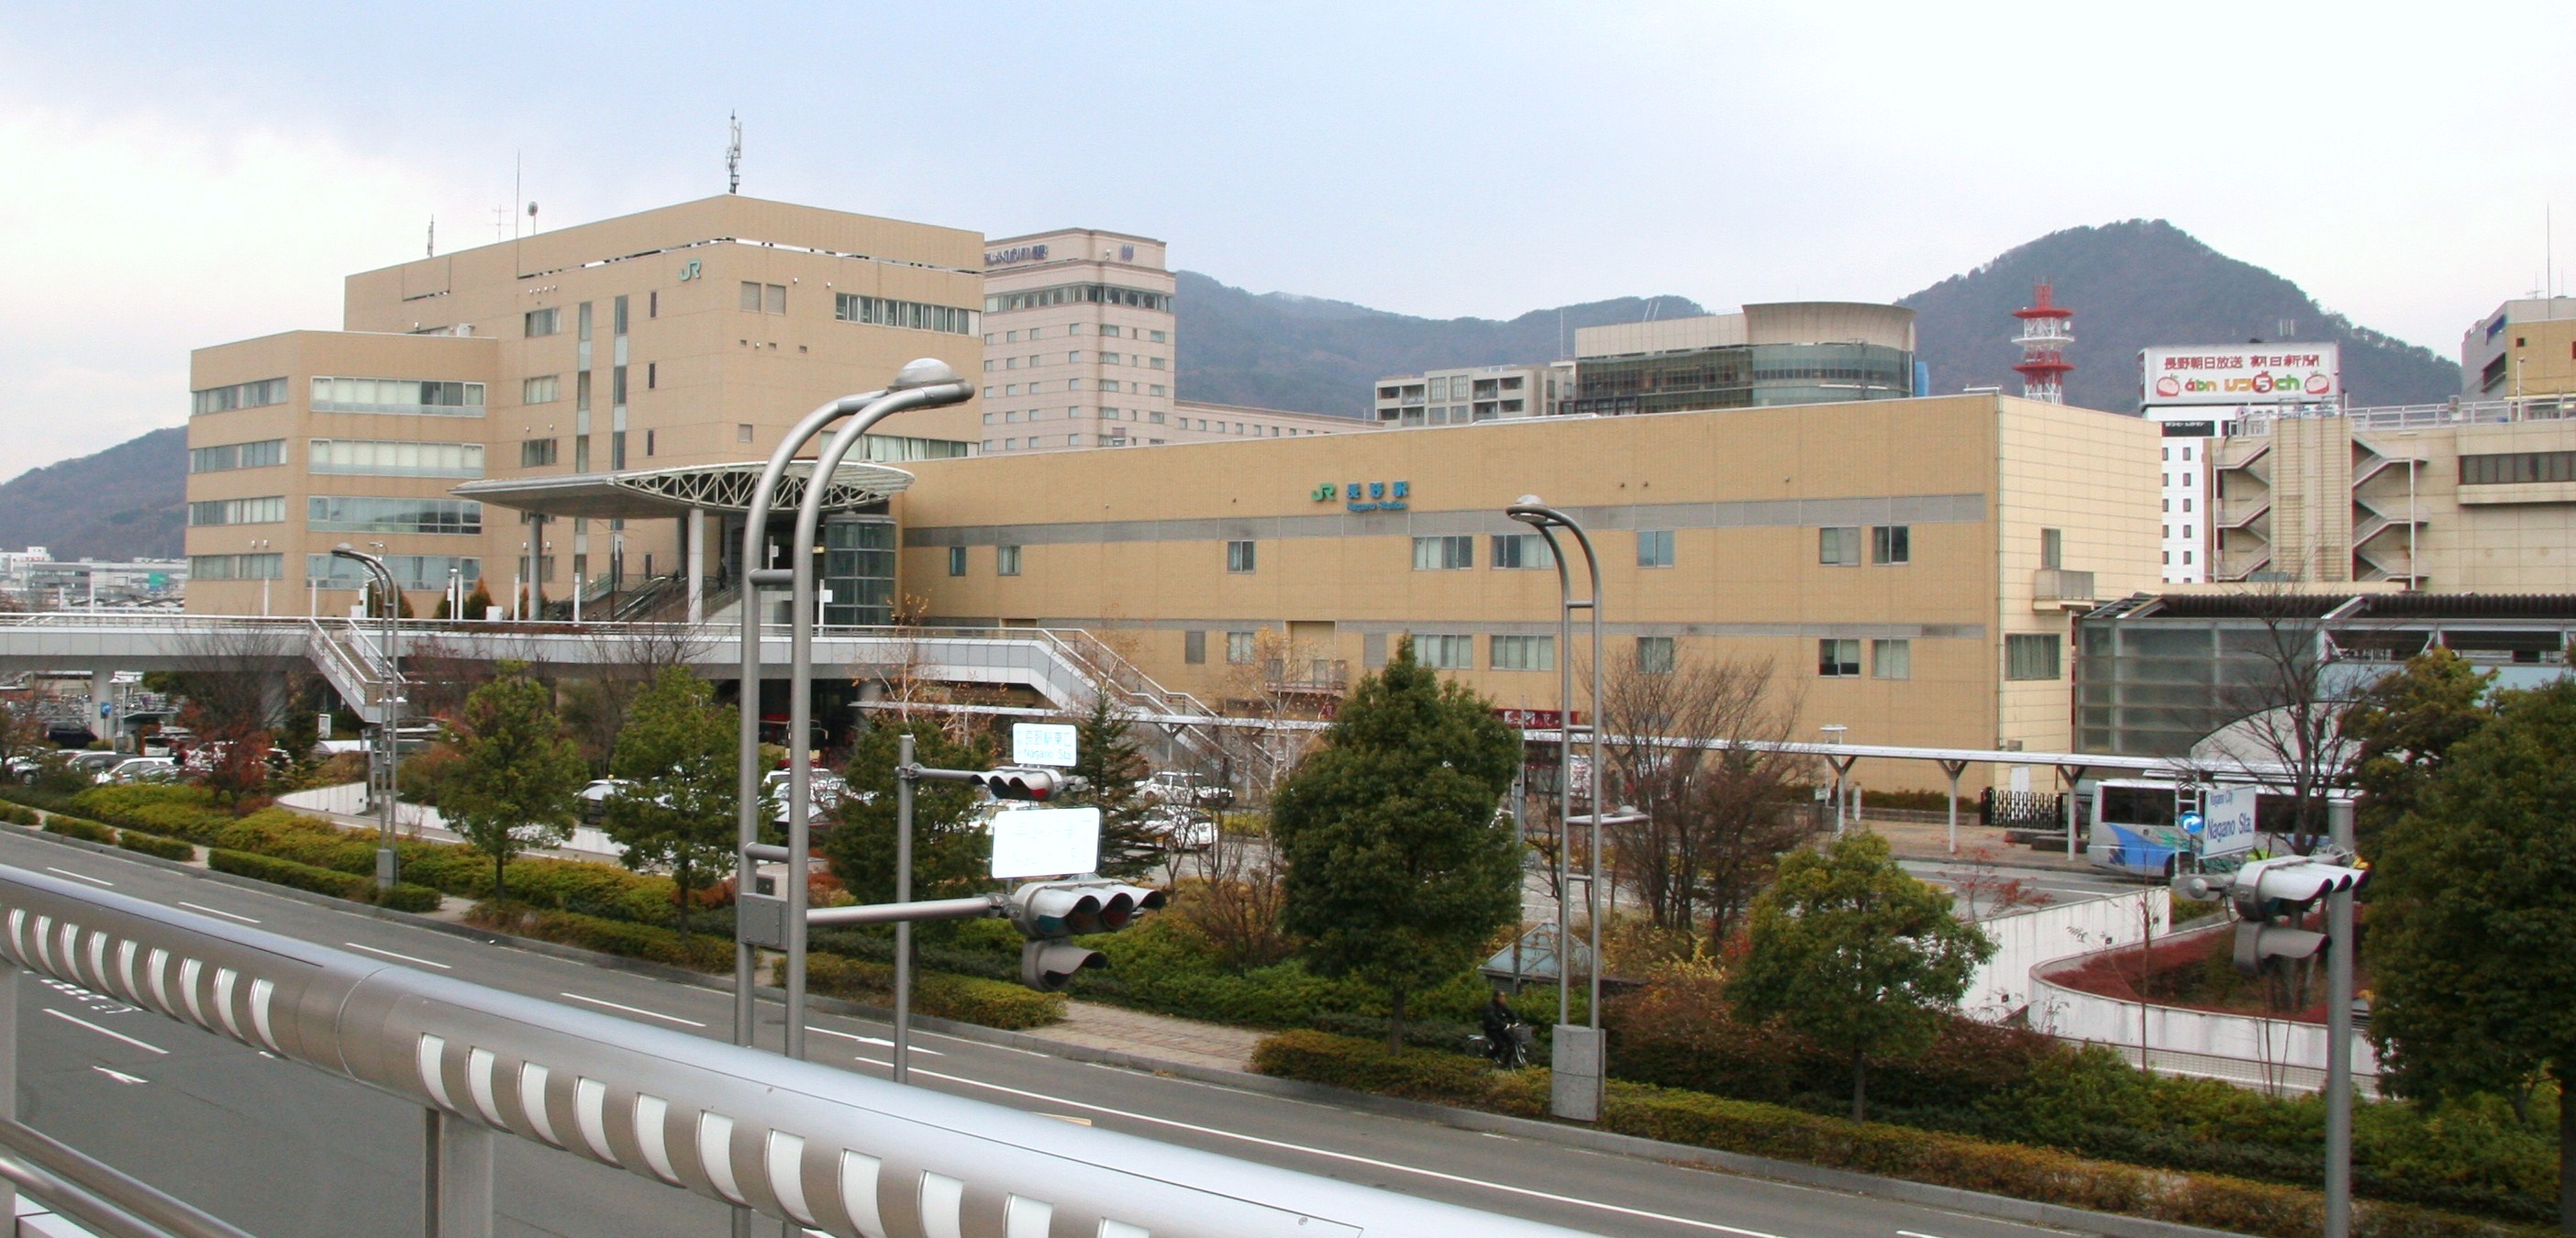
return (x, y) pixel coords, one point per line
(9, 1074)
(906, 773)
(456, 1178)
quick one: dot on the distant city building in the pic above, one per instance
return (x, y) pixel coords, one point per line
(1796, 352)
(38, 580)
(2526, 348)
(1476, 393)
(2199, 393)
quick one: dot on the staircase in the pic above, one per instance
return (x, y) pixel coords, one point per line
(348, 657)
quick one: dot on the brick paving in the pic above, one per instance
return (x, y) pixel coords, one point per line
(1186, 1041)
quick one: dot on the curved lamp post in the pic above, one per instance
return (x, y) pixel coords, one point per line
(388, 731)
(1577, 1057)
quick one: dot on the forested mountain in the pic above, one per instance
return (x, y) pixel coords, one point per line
(127, 502)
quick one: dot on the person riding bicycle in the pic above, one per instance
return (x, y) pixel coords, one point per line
(1499, 1020)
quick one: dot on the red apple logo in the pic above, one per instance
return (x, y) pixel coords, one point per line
(2319, 384)
(2169, 386)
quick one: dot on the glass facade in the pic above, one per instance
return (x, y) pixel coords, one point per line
(1741, 376)
(858, 570)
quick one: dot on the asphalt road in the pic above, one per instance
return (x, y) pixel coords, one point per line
(285, 1151)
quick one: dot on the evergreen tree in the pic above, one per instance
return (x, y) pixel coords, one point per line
(949, 855)
(511, 787)
(1113, 771)
(1856, 955)
(2406, 725)
(1397, 872)
(677, 755)
(479, 602)
(2472, 907)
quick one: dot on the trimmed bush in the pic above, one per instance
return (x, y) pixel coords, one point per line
(154, 844)
(1752, 1129)
(408, 897)
(697, 951)
(17, 814)
(967, 999)
(289, 873)
(74, 827)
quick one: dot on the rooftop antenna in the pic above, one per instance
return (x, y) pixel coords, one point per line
(733, 155)
(515, 195)
(433, 236)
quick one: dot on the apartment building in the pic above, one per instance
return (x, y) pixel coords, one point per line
(1472, 394)
(688, 337)
(2526, 348)
(1797, 352)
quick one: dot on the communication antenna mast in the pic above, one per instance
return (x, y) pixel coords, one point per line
(433, 236)
(2046, 330)
(733, 155)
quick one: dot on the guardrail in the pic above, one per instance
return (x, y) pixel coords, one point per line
(840, 1153)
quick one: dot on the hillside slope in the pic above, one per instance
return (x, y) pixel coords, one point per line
(127, 502)
(2142, 283)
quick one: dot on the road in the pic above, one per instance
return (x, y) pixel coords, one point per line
(286, 1151)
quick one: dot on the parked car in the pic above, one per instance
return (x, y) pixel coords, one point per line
(591, 802)
(137, 769)
(826, 790)
(93, 764)
(1181, 787)
(1181, 827)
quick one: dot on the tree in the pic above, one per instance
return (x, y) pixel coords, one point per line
(1113, 771)
(2279, 705)
(1852, 952)
(479, 602)
(949, 856)
(677, 755)
(2471, 911)
(1715, 822)
(2406, 725)
(1397, 870)
(596, 709)
(511, 787)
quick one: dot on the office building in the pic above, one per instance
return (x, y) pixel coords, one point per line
(2199, 394)
(2526, 348)
(1797, 352)
(1472, 394)
(627, 351)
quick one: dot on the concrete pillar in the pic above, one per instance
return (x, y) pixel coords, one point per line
(102, 693)
(694, 533)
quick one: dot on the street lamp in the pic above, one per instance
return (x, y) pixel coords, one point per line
(1577, 1052)
(388, 729)
(924, 383)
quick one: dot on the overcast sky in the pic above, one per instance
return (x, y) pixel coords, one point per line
(182, 175)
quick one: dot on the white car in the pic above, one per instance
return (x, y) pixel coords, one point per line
(1179, 827)
(824, 791)
(139, 769)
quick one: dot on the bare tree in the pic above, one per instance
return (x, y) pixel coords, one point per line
(595, 707)
(233, 679)
(2279, 705)
(1679, 746)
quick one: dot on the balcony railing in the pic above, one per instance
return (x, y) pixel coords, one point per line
(1306, 675)
(2053, 585)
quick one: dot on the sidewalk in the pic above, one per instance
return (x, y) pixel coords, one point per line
(1162, 1037)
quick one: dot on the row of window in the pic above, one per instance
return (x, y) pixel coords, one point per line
(915, 315)
(393, 458)
(1107, 330)
(1453, 387)
(213, 512)
(260, 394)
(1889, 544)
(360, 514)
(397, 395)
(1452, 414)
(2517, 467)
(1079, 294)
(232, 456)
(1457, 552)
(992, 390)
(237, 567)
(1034, 360)
(409, 571)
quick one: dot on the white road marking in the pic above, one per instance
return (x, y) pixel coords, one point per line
(119, 1076)
(216, 912)
(104, 1032)
(80, 876)
(670, 1018)
(1357, 1160)
(404, 957)
(872, 1040)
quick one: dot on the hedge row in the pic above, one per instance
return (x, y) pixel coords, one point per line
(697, 951)
(356, 889)
(17, 814)
(154, 844)
(1753, 1129)
(74, 827)
(967, 999)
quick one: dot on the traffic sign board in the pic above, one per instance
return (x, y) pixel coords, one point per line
(1044, 842)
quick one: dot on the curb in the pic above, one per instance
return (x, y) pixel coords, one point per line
(2001, 1207)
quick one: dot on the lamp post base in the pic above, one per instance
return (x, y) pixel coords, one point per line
(1575, 1059)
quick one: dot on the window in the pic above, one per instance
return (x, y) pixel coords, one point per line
(232, 456)
(1155, 363)
(1238, 556)
(237, 567)
(742, 434)
(911, 315)
(764, 298)
(1655, 655)
(617, 316)
(2052, 550)
(652, 375)
(270, 510)
(648, 442)
(1891, 659)
(617, 386)
(1194, 648)
(1240, 647)
(544, 389)
(536, 453)
(581, 320)
(260, 394)
(1006, 560)
(387, 458)
(581, 392)
(1891, 543)
(1521, 550)
(397, 395)
(956, 560)
(2031, 655)
(1109, 358)
(543, 322)
(1524, 653)
(652, 309)
(1155, 336)
(1838, 546)
(409, 571)
(1111, 331)
(2519, 467)
(1443, 554)
(1654, 548)
(1444, 652)
(337, 514)
(1838, 659)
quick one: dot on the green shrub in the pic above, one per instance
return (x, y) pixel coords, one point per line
(408, 897)
(154, 844)
(1693, 1118)
(74, 827)
(697, 951)
(289, 873)
(17, 814)
(967, 999)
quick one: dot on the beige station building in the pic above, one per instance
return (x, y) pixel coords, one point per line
(568, 406)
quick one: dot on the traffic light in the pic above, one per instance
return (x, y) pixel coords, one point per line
(1048, 912)
(2264, 890)
(1013, 782)
(2257, 940)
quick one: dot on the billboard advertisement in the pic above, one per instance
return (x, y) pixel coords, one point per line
(2243, 374)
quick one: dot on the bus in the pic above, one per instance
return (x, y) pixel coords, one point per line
(2136, 825)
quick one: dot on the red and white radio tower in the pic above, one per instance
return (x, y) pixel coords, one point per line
(2046, 330)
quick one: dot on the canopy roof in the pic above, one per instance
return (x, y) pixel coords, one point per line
(672, 492)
